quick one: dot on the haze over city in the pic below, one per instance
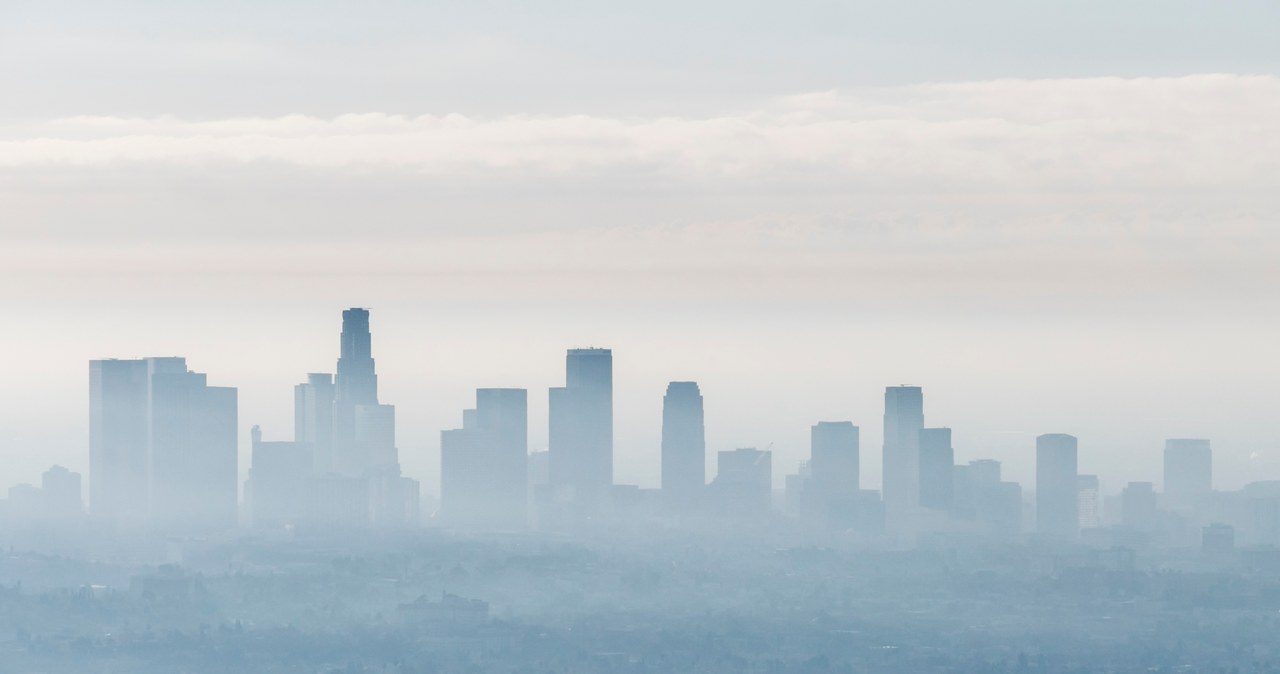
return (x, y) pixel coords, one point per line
(1044, 234)
(654, 294)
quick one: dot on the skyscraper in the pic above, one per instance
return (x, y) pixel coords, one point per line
(354, 439)
(313, 419)
(984, 473)
(1188, 470)
(581, 429)
(1089, 499)
(903, 420)
(684, 447)
(163, 445)
(276, 489)
(997, 504)
(118, 464)
(484, 464)
(355, 388)
(937, 468)
(375, 438)
(831, 488)
(1138, 508)
(1057, 504)
(357, 383)
(505, 413)
(744, 482)
(193, 449)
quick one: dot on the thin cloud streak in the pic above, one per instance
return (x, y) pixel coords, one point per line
(1193, 132)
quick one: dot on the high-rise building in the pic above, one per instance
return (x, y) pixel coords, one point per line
(834, 457)
(357, 382)
(832, 486)
(997, 505)
(375, 439)
(193, 449)
(484, 464)
(903, 421)
(797, 492)
(1188, 470)
(684, 447)
(355, 387)
(1057, 497)
(1089, 501)
(160, 430)
(60, 490)
(1261, 517)
(1138, 508)
(505, 413)
(353, 438)
(581, 429)
(313, 419)
(276, 489)
(984, 472)
(937, 468)
(743, 486)
(118, 465)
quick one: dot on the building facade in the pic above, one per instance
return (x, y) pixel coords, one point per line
(684, 445)
(1057, 501)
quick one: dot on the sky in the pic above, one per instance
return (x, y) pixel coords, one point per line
(1053, 216)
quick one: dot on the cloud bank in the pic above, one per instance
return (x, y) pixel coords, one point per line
(1193, 132)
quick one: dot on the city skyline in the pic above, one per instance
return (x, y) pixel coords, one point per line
(356, 356)
(989, 212)
(705, 336)
(164, 461)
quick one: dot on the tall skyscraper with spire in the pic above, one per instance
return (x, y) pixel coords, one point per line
(357, 382)
(353, 438)
(355, 393)
(684, 445)
(363, 429)
(903, 421)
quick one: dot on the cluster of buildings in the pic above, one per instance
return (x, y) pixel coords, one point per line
(926, 492)
(163, 457)
(163, 447)
(56, 501)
